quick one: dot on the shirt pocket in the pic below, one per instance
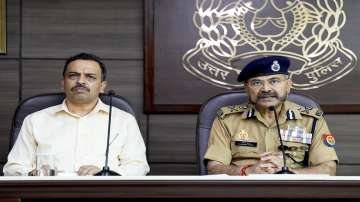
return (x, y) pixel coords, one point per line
(244, 149)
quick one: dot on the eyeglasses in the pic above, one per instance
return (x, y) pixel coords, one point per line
(274, 82)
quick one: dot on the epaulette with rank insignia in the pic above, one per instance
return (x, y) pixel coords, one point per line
(310, 111)
(231, 110)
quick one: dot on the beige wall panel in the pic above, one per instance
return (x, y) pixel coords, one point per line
(9, 85)
(58, 29)
(125, 77)
(13, 29)
(172, 138)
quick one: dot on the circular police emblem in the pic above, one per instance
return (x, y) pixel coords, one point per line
(275, 66)
(233, 33)
(328, 140)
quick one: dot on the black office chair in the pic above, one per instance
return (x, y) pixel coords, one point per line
(43, 101)
(208, 112)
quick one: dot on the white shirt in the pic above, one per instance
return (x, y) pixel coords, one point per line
(76, 141)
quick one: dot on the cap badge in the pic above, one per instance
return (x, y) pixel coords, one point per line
(275, 66)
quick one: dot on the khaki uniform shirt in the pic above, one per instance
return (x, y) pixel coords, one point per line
(239, 135)
(76, 141)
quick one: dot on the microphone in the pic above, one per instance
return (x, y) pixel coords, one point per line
(284, 169)
(106, 169)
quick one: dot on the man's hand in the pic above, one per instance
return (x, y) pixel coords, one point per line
(269, 163)
(88, 170)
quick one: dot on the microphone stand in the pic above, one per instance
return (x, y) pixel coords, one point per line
(284, 169)
(106, 169)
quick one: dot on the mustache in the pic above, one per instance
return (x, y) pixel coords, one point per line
(80, 86)
(281, 98)
(267, 94)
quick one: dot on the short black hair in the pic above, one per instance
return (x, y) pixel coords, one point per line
(86, 56)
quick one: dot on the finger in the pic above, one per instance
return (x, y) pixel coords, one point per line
(93, 170)
(84, 170)
(90, 170)
(269, 156)
(265, 154)
(81, 170)
(268, 165)
(270, 170)
(266, 170)
(276, 159)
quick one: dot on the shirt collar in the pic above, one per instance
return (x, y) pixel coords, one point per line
(289, 108)
(100, 106)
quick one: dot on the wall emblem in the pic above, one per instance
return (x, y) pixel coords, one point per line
(235, 32)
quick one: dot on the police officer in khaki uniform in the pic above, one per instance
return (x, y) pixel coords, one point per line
(244, 138)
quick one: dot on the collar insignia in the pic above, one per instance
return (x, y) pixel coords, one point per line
(250, 113)
(290, 114)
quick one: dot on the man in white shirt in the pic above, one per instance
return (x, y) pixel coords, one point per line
(76, 130)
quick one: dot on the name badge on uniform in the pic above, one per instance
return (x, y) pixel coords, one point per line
(296, 134)
(246, 144)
